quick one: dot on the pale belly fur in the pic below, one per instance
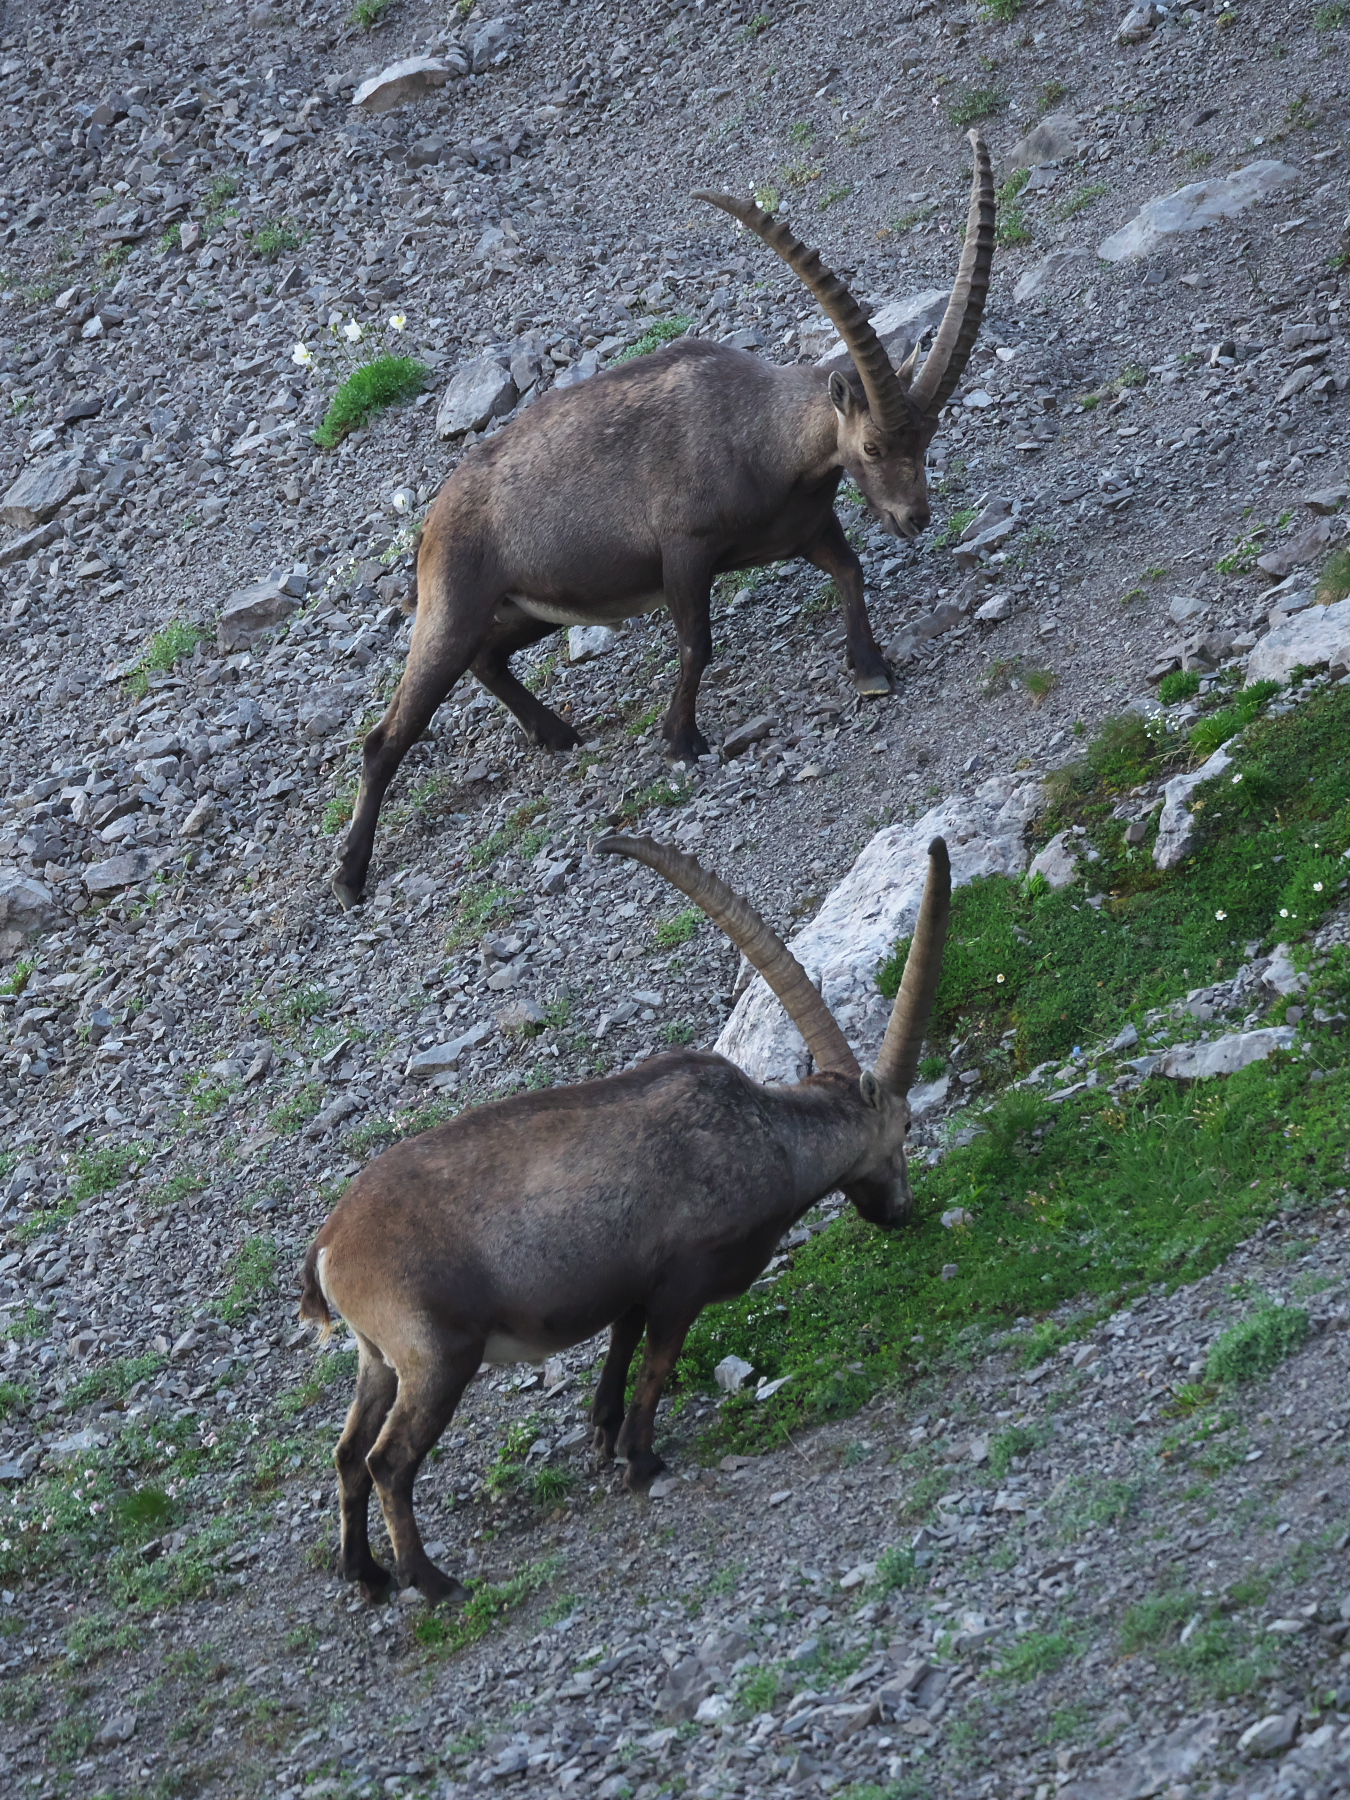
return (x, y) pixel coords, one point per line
(605, 612)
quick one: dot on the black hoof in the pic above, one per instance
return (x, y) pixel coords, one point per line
(603, 1440)
(373, 1579)
(437, 1589)
(346, 896)
(687, 749)
(642, 1471)
(872, 684)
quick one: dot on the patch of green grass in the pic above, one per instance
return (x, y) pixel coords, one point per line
(1330, 18)
(1181, 684)
(1038, 1653)
(896, 1568)
(515, 834)
(1003, 12)
(17, 979)
(96, 1635)
(1040, 684)
(445, 1634)
(14, 1397)
(1081, 198)
(253, 1275)
(298, 1109)
(973, 104)
(1012, 227)
(671, 933)
(1207, 734)
(656, 337)
(477, 906)
(175, 1190)
(272, 241)
(956, 524)
(755, 27)
(386, 381)
(166, 649)
(758, 1690)
(840, 191)
(1258, 1344)
(114, 1380)
(1156, 1619)
(338, 812)
(1334, 582)
(368, 13)
(665, 792)
(1017, 1440)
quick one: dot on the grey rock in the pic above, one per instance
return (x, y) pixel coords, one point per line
(199, 818)
(442, 1057)
(1037, 279)
(586, 365)
(1177, 825)
(519, 1013)
(120, 871)
(479, 392)
(1225, 1055)
(489, 45)
(43, 489)
(942, 619)
(1271, 1735)
(1054, 140)
(900, 324)
(1195, 206)
(754, 731)
(1058, 862)
(252, 610)
(1319, 635)
(1302, 377)
(411, 79)
(1125, 1039)
(26, 904)
(586, 642)
(1280, 975)
(319, 722)
(118, 1728)
(732, 1373)
(1145, 1773)
(1323, 500)
(332, 1116)
(1304, 547)
(28, 543)
(684, 1690)
(1183, 607)
(1139, 23)
(995, 611)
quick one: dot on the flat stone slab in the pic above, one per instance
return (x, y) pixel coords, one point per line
(121, 871)
(1317, 635)
(252, 610)
(43, 489)
(411, 79)
(586, 642)
(874, 905)
(1145, 1773)
(442, 1057)
(26, 904)
(1195, 206)
(899, 324)
(1225, 1055)
(1055, 139)
(19, 549)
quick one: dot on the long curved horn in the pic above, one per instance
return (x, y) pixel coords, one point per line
(955, 338)
(886, 399)
(753, 938)
(898, 1058)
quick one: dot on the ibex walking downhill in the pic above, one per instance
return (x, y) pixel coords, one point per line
(636, 489)
(528, 1225)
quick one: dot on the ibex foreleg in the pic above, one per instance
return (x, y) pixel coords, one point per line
(516, 631)
(833, 553)
(687, 580)
(607, 1407)
(665, 1340)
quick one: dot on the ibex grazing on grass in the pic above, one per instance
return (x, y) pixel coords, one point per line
(528, 1225)
(635, 489)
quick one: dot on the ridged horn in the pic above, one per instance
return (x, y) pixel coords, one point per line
(898, 1059)
(756, 942)
(886, 398)
(946, 362)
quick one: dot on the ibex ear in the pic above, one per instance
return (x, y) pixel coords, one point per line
(844, 400)
(871, 1089)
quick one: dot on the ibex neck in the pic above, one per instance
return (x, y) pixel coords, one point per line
(827, 1132)
(812, 423)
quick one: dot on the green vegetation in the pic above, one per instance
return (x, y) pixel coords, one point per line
(216, 201)
(273, 241)
(759, 24)
(896, 1568)
(1003, 12)
(1017, 1440)
(368, 390)
(114, 1380)
(14, 1397)
(656, 337)
(671, 933)
(1181, 684)
(1084, 1203)
(1040, 684)
(956, 524)
(166, 648)
(515, 835)
(17, 979)
(299, 1109)
(338, 812)
(1038, 1653)
(446, 1633)
(476, 907)
(368, 13)
(973, 104)
(1012, 227)
(840, 191)
(1257, 1344)
(253, 1274)
(1186, 1633)
(1334, 581)
(1331, 18)
(1080, 199)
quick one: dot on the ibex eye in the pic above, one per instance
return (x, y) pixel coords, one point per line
(871, 450)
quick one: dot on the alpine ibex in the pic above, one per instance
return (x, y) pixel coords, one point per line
(528, 1225)
(634, 490)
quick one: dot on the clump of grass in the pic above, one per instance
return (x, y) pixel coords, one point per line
(515, 834)
(1012, 227)
(368, 390)
(166, 649)
(1206, 735)
(368, 13)
(446, 1633)
(755, 27)
(1257, 1344)
(17, 979)
(956, 524)
(1040, 684)
(1038, 1653)
(1181, 684)
(99, 1171)
(973, 104)
(1081, 198)
(1334, 582)
(656, 336)
(302, 1106)
(1003, 12)
(339, 810)
(896, 1568)
(253, 1274)
(1017, 1440)
(671, 933)
(273, 241)
(476, 907)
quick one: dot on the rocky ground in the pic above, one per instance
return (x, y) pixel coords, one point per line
(199, 1048)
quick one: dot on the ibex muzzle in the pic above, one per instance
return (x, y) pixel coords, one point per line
(526, 1226)
(636, 489)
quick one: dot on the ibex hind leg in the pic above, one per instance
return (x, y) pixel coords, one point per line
(443, 646)
(429, 1390)
(514, 630)
(607, 1407)
(665, 1340)
(376, 1386)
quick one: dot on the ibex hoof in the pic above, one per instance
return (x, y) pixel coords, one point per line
(641, 1471)
(874, 685)
(346, 896)
(374, 1581)
(436, 1588)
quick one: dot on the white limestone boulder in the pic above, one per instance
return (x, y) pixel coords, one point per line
(1318, 635)
(1195, 206)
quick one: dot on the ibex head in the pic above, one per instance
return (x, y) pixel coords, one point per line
(886, 415)
(878, 1182)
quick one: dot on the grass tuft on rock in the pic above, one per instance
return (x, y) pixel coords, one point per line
(386, 381)
(1258, 1344)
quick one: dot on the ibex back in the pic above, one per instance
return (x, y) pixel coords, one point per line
(636, 489)
(526, 1226)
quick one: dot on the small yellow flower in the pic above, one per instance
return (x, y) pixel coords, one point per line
(399, 322)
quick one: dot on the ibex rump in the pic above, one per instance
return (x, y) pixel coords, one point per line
(528, 1225)
(636, 489)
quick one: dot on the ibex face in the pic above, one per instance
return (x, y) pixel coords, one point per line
(887, 466)
(879, 1186)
